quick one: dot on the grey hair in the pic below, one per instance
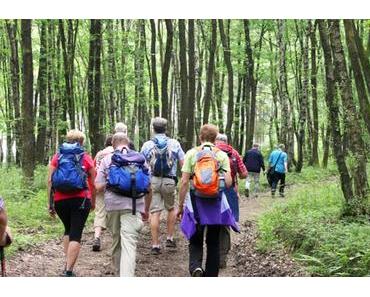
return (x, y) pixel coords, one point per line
(120, 138)
(221, 137)
(159, 125)
(282, 146)
(121, 127)
(256, 145)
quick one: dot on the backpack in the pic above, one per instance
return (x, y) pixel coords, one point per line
(128, 176)
(233, 162)
(69, 175)
(206, 172)
(161, 161)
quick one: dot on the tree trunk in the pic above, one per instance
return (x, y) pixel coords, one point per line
(210, 72)
(225, 40)
(357, 204)
(42, 89)
(166, 68)
(28, 119)
(14, 73)
(191, 95)
(333, 107)
(153, 60)
(94, 86)
(356, 67)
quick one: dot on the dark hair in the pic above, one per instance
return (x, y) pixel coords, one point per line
(208, 132)
(108, 140)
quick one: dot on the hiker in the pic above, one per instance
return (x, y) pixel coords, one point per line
(100, 213)
(121, 127)
(124, 178)
(5, 235)
(206, 208)
(278, 166)
(253, 160)
(71, 185)
(162, 153)
(237, 170)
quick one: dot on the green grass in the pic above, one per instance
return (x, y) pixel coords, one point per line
(28, 216)
(310, 225)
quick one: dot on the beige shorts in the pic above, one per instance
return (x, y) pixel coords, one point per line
(164, 193)
(100, 219)
(6, 238)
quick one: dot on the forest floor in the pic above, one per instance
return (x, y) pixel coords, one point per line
(244, 260)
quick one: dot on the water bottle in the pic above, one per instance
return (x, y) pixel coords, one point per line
(221, 182)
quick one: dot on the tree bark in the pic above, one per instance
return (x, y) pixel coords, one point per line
(357, 203)
(210, 73)
(225, 40)
(166, 68)
(28, 119)
(153, 60)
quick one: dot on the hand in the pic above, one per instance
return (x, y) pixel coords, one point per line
(52, 212)
(180, 212)
(145, 216)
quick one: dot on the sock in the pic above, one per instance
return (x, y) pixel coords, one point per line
(156, 246)
(170, 238)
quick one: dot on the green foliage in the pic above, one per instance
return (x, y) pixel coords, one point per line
(311, 226)
(28, 217)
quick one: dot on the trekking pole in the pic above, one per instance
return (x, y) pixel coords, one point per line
(51, 200)
(2, 258)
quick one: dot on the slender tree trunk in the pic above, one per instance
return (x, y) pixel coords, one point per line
(225, 40)
(14, 73)
(210, 73)
(326, 137)
(94, 86)
(191, 95)
(28, 119)
(154, 68)
(42, 85)
(166, 68)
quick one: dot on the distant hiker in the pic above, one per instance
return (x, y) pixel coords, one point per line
(5, 235)
(237, 169)
(206, 208)
(253, 160)
(100, 212)
(71, 182)
(278, 166)
(162, 153)
(124, 178)
(121, 127)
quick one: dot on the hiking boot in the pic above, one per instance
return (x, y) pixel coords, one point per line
(281, 195)
(197, 272)
(273, 194)
(156, 251)
(246, 192)
(68, 274)
(96, 245)
(222, 264)
(170, 243)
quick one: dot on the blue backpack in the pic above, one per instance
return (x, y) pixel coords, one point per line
(161, 160)
(69, 176)
(128, 176)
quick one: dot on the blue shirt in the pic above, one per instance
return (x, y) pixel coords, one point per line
(280, 167)
(173, 145)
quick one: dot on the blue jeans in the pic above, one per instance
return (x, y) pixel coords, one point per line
(232, 199)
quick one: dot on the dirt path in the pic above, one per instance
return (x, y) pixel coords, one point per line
(47, 259)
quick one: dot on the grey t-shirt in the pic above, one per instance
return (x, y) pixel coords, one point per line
(112, 200)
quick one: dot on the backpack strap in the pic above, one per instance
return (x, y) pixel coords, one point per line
(133, 191)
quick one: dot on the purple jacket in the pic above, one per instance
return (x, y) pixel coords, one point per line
(253, 160)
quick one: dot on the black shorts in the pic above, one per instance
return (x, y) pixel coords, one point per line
(73, 213)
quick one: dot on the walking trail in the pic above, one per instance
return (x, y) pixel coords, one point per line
(244, 260)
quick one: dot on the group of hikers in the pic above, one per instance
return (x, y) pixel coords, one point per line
(127, 188)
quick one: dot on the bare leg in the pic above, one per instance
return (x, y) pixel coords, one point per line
(72, 254)
(98, 232)
(154, 227)
(171, 221)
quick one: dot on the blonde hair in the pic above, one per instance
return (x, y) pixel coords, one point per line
(75, 135)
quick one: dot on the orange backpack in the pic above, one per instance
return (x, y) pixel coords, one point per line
(206, 172)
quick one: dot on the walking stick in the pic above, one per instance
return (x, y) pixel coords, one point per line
(2, 258)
